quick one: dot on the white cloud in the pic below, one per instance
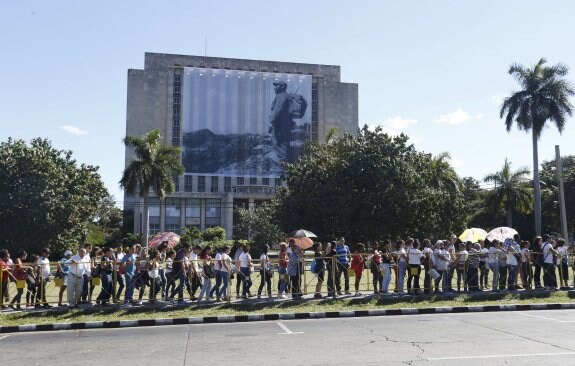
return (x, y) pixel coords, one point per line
(74, 130)
(399, 123)
(457, 117)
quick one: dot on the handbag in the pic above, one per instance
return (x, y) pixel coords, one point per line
(414, 271)
(209, 271)
(351, 272)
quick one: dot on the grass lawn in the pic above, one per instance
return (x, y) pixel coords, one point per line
(265, 307)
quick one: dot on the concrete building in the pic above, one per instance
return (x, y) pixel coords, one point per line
(206, 196)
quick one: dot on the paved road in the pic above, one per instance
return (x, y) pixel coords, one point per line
(510, 338)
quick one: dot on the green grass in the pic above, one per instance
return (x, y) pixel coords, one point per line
(365, 303)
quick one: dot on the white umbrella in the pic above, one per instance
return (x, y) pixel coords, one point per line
(473, 234)
(501, 233)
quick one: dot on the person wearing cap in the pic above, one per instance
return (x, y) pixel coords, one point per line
(280, 120)
(62, 273)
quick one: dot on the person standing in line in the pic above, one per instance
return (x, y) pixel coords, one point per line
(180, 270)
(266, 272)
(87, 283)
(473, 267)
(549, 279)
(493, 262)
(452, 266)
(358, 265)
(206, 273)
(330, 253)
(106, 272)
(62, 273)
(563, 262)
(442, 263)
(162, 250)
(427, 260)
(32, 281)
(414, 257)
(5, 274)
(218, 274)
(294, 270)
(374, 265)
(169, 271)
(245, 270)
(319, 259)
(512, 265)
(282, 270)
(79, 265)
(461, 267)
(537, 260)
(119, 271)
(195, 271)
(129, 264)
(21, 274)
(225, 269)
(483, 266)
(343, 263)
(401, 256)
(236, 254)
(143, 278)
(43, 278)
(525, 270)
(386, 259)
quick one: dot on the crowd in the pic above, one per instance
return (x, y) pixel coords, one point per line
(166, 274)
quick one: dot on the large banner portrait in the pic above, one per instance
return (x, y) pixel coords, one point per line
(243, 123)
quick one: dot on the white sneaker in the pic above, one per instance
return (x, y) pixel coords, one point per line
(282, 296)
(140, 302)
(358, 294)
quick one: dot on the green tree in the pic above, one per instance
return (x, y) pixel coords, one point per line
(544, 96)
(46, 198)
(550, 193)
(511, 191)
(258, 225)
(366, 187)
(214, 234)
(155, 166)
(190, 235)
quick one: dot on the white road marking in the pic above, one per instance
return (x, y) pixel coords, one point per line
(286, 329)
(546, 318)
(2, 337)
(501, 356)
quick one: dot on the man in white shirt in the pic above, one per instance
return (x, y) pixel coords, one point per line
(43, 277)
(413, 265)
(119, 255)
(549, 254)
(79, 265)
(195, 272)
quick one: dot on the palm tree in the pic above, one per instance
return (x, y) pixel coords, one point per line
(444, 172)
(544, 96)
(511, 191)
(155, 166)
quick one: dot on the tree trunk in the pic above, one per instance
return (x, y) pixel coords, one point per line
(536, 186)
(509, 217)
(145, 221)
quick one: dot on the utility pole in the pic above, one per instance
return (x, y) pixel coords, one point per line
(563, 212)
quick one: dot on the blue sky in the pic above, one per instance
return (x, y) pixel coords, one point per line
(436, 70)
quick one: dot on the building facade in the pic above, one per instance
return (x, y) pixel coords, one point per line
(236, 121)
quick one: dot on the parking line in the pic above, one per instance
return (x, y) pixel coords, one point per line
(2, 337)
(286, 329)
(546, 318)
(501, 356)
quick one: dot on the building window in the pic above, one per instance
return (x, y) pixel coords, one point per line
(193, 212)
(265, 181)
(154, 215)
(253, 181)
(177, 78)
(175, 228)
(213, 212)
(201, 184)
(154, 229)
(215, 183)
(227, 184)
(176, 100)
(172, 215)
(314, 111)
(176, 183)
(188, 187)
(278, 182)
(240, 181)
(176, 121)
(176, 111)
(177, 89)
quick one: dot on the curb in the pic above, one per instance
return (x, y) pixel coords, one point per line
(280, 316)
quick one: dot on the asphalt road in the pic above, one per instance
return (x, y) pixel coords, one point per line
(507, 338)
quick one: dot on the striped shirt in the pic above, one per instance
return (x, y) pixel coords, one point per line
(342, 252)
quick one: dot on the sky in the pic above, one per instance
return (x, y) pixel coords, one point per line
(435, 70)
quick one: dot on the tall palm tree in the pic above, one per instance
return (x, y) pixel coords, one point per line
(444, 172)
(154, 167)
(544, 96)
(511, 192)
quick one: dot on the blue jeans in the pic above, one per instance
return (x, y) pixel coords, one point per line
(386, 277)
(494, 267)
(121, 285)
(107, 288)
(206, 288)
(180, 289)
(130, 282)
(400, 275)
(283, 282)
(216, 288)
(511, 276)
(224, 290)
(247, 281)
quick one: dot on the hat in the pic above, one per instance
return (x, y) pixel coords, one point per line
(280, 82)
(439, 242)
(67, 253)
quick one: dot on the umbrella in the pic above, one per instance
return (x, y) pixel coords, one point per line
(302, 242)
(501, 233)
(172, 238)
(301, 233)
(473, 234)
(302, 238)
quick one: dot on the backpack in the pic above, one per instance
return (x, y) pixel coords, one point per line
(297, 105)
(373, 267)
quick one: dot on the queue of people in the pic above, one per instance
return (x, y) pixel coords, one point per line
(445, 265)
